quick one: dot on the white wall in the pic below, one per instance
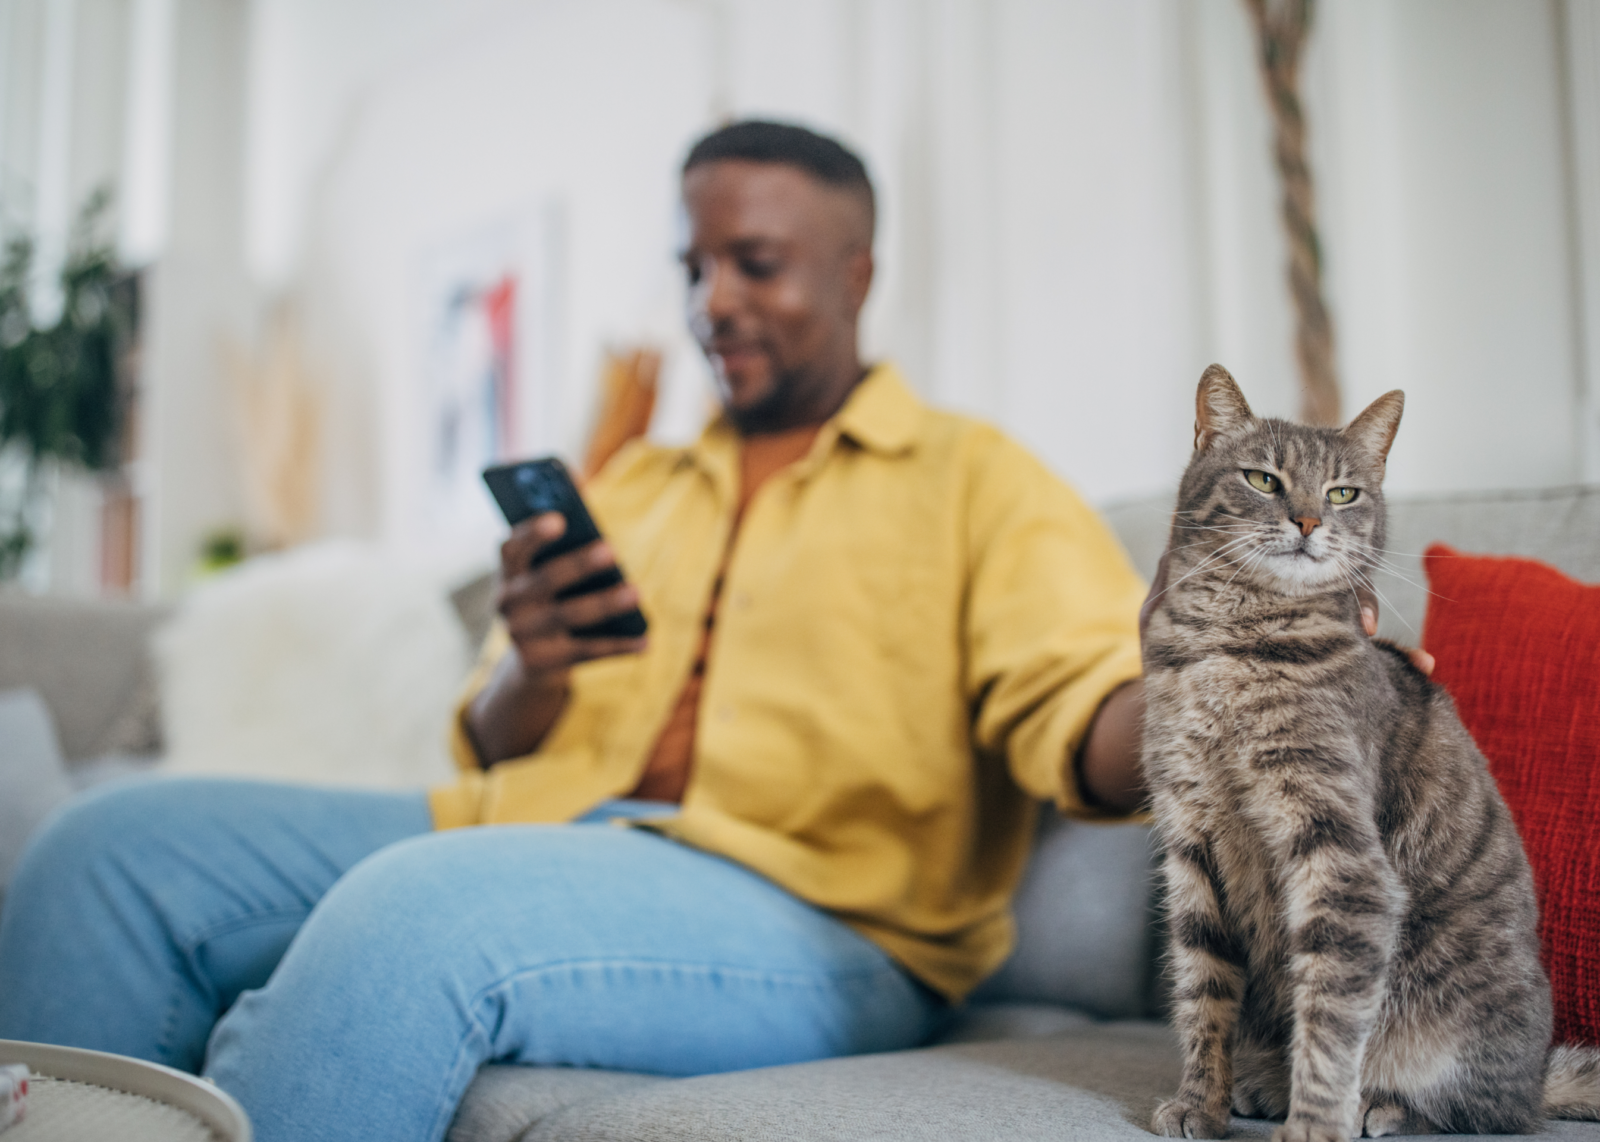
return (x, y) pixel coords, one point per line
(544, 117)
(1450, 235)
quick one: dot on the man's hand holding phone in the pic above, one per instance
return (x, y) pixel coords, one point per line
(563, 601)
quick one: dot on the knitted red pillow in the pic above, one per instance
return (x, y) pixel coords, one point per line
(1518, 647)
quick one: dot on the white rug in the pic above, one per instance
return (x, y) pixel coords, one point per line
(332, 664)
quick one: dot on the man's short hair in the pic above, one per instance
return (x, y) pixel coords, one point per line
(762, 141)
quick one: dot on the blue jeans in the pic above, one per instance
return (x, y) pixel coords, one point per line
(344, 971)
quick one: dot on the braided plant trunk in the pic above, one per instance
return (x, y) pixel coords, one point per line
(1281, 27)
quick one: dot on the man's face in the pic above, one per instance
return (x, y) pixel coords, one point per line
(778, 266)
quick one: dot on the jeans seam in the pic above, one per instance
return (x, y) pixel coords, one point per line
(185, 952)
(790, 978)
(191, 945)
(794, 979)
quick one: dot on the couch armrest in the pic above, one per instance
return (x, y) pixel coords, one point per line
(90, 662)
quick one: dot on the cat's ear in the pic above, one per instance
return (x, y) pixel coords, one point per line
(1373, 431)
(1219, 407)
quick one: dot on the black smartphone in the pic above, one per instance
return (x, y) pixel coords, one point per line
(534, 487)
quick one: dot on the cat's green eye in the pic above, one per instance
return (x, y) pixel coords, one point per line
(1343, 496)
(1261, 481)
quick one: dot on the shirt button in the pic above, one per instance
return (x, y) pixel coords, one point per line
(725, 713)
(741, 599)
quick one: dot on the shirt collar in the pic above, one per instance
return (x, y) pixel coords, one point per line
(881, 414)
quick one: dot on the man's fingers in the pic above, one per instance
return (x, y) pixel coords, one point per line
(1367, 600)
(1422, 660)
(591, 648)
(549, 620)
(526, 539)
(575, 566)
(524, 624)
(525, 586)
(558, 652)
(586, 610)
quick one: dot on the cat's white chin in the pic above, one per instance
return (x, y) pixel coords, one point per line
(1299, 573)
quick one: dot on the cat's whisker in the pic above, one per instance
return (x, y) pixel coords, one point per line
(1205, 564)
(1189, 546)
(1366, 580)
(1225, 531)
(1392, 551)
(1243, 561)
(1215, 526)
(1208, 564)
(1254, 554)
(1389, 568)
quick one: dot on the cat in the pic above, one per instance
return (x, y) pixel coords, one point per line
(1352, 916)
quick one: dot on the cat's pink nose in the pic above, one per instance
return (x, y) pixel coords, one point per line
(1306, 522)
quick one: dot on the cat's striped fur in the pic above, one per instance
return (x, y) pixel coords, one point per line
(1351, 913)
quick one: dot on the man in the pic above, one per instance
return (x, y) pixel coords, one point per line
(878, 635)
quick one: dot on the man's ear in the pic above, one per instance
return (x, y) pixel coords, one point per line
(858, 273)
(1373, 431)
(1219, 407)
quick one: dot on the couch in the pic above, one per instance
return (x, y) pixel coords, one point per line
(1065, 1042)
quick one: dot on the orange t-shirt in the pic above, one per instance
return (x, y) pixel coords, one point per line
(666, 774)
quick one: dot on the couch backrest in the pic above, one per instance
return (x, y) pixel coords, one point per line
(1085, 913)
(1086, 924)
(1559, 526)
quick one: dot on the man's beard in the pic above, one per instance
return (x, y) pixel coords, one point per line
(780, 409)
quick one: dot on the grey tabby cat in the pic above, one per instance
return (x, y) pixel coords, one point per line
(1352, 915)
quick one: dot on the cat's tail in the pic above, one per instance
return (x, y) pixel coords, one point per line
(1572, 1083)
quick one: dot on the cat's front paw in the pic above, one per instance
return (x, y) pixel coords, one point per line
(1180, 1118)
(1305, 1130)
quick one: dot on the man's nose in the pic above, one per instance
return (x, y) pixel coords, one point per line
(1307, 523)
(716, 294)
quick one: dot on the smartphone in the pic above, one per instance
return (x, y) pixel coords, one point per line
(534, 487)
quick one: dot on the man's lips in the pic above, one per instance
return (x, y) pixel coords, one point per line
(736, 356)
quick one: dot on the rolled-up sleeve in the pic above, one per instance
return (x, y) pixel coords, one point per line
(1052, 624)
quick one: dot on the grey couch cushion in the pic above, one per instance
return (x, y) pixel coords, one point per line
(1084, 922)
(1097, 1081)
(504, 1102)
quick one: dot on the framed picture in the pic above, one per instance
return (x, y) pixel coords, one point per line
(487, 364)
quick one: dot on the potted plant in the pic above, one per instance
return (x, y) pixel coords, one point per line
(61, 404)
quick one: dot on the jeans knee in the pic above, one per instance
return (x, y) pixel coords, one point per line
(101, 823)
(393, 888)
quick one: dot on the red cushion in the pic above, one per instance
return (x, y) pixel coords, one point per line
(1518, 647)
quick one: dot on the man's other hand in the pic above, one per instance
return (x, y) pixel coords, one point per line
(528, 689)
(1420, 658)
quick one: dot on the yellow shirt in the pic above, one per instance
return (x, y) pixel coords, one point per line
(918, 623)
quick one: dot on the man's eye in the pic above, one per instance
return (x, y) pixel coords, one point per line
(758, 268)
(1343, 495)
(1261, 481)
